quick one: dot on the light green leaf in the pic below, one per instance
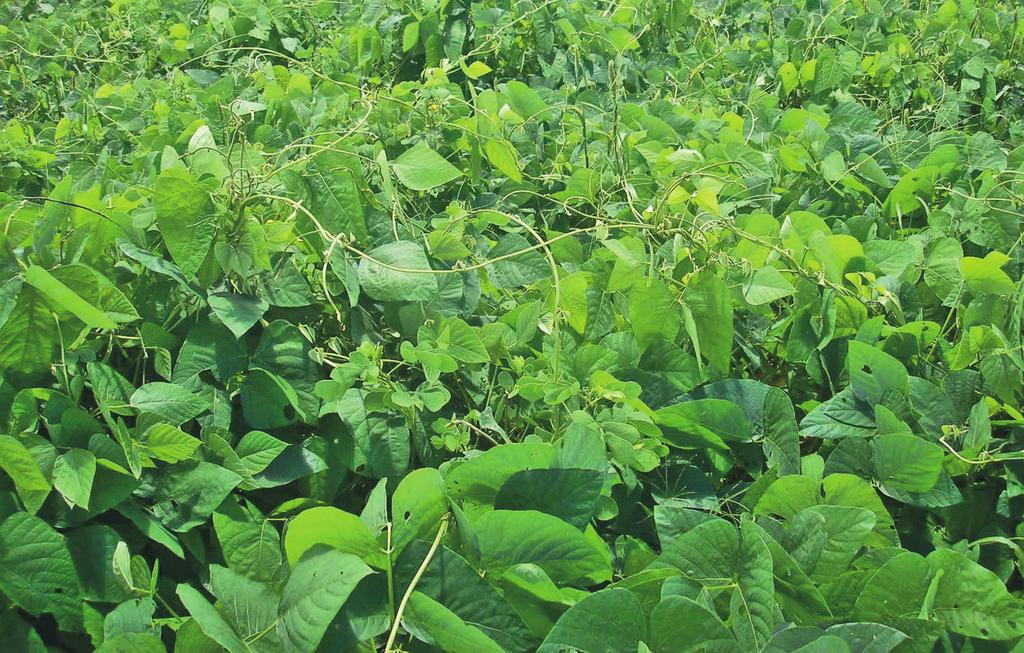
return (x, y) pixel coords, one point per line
(186, 217)
(503, 156)
(421, 168)
(511, 537)
(433, 623)
(334, 527)
(73, 474)
(210, 620)
(28, 339)
(21, 466)
(766, 285)
(169, 443)
(419, 503)
(709, 301)
(680, 625)
(60, 295)
(518, 269)
(250, 544)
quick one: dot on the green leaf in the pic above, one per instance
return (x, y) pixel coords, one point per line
(973, 601)
(169, 402)
(73, 474)
(169, 443)
(985, 276)
(511, 537)
(607, 621)
(704, 423)
(36, 572)
(752, 604)
(185, 495)
(237, 312)
(317, 588)
(398, 272)
(766, 285)
(341, 530)
(450, 580)
(421, 168)
(29, 339)
(907, 463)
(526, 102)
(653, 312)
(680, 625)
(503, 156)
(268, 401)
(569, 494)
(515, 270)
(417, 507)
(60, 295)
(709, 301)
(186, 217)
(210, 620)
(433, 623)
(21, 466)
(250, 545)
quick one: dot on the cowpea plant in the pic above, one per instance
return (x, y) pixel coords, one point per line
(646, 326)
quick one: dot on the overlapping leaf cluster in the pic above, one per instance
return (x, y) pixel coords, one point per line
(536, 325)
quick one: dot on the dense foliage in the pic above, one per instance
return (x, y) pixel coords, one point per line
(511, 325)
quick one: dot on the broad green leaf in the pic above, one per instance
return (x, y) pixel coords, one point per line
(250, 544)
(417, 508)
(60, 295)
(185, 495)
(450, 580)
(704, 423)
(653, 312)
(19, 464)
(752, 603)
(607, 621)
(569, 494)
(36, 572)
(766, 285)
(476, 481)
(516, 263)
(169, 443)
(269, 401)
(503, 156)
(708, 299)
(29, 339)
(210, 620)
(972, 600)
(341, 530)
(237, 312)
(398, 272)
(433, 623)
(985, 276)
(168, 401)
(421, 168)
(186, 217)
(73, 474)
(680, 624)
(316, 589)
(907, 463)
(511, 537)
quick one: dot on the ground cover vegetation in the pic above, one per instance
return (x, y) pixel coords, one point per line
(511, 325)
